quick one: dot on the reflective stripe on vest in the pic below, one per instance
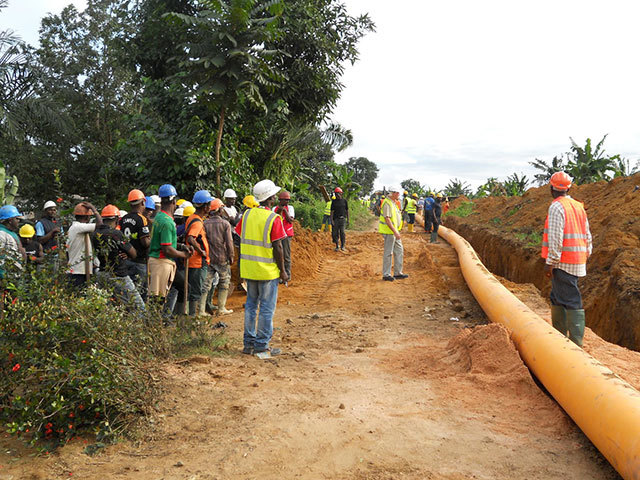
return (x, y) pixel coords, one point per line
(396, 218)
(256, 249)
(327, 208)
(412, 206)
(575, 246)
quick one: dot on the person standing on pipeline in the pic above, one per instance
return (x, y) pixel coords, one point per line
(566, 245)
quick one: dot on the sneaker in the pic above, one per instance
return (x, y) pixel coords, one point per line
(401, 276)
(247, 350)
(272, 351)
(342, 248)
(388, 278)
(224, 311)
(336, 249)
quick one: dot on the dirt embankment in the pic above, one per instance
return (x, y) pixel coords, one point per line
(506, 233)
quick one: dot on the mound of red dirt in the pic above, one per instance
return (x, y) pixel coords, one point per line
(306, 252)
(506, 232)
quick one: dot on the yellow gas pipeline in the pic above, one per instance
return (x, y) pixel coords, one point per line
(605, 407)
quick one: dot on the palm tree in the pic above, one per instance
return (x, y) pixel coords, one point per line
(456, 188)
(589, 165)
(515, 186)
(557, 165)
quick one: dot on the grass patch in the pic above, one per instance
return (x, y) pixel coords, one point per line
(530, 239)
(463, 210)
(497, 221)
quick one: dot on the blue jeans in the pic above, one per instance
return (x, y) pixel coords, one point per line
(261, 294)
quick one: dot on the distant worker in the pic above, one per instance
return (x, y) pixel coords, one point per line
(32, 247)
(339, 219)
(135, 228)
(326, 217)
(436, 218)
(287, 213)
(566, 245)
(389, 226)
(77, 250)
(411, 209)
(445, 206)
(428, 212)
(262, 266)
(149, 209)
(405, 201)
(198, 263)
(229, 211)
(49, 227)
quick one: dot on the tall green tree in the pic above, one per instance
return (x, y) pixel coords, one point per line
(413, 186)
(587, 164)
(364, 171)
(456, 188)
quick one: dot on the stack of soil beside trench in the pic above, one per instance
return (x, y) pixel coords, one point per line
(506, 233)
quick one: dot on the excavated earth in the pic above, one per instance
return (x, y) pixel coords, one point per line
(506, 233)
(377, 381)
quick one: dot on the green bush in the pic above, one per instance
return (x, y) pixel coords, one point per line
(463, 210)
(310, 214)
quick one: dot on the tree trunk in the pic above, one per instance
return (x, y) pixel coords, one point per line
(218, 140)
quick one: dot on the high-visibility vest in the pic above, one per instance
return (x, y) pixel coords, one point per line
(396, 218)
(574, 242)
(327, 208)
(256, 251)
(412, 206)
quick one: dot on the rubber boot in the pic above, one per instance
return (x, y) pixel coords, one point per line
(410, 228)
(330, 228)
(559, 319)
(322, 227)
(575, 322)
(193, 307)
(179, 308)
(434, 237)
(222, 301)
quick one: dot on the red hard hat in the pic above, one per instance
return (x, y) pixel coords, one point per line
(135, 195)
(284, 194)
(338, 190)
(560, 181)
(110, 211)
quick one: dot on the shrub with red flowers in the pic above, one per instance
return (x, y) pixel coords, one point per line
(71, 362)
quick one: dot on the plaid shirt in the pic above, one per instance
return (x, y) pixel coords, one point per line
(556, 234)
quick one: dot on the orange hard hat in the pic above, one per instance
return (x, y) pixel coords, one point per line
(110, 211)
(135, 196)
(216, 203)
(561, 181)
(80, 209)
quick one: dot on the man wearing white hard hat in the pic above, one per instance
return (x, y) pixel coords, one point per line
(262, 265)
(229, 211)
(389, 226)
(49, 227)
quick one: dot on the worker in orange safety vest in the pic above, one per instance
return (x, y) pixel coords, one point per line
(566, 245)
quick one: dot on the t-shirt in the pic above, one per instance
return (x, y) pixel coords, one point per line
(231, 211)
(288, 227)
(163, 232)
(108, 243)
(134, 227)
(44, 226)
(8, 248)
(428, 203)
(277, 231)
(339, 207)
(195, 228)
(75, 247)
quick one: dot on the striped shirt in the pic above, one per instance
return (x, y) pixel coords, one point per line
(556, 234)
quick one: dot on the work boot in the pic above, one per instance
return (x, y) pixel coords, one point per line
(330, 228)
(434, 237)
(222, 301)
(410, 228)
(559, 319)
(575, 322)
(322, 227)
(179, 308)
(193, 307)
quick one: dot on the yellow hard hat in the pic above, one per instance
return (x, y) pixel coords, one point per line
(333, 197)
(383, 196)
(439, 195)
(27, 231)
(414, 195)
(180, 202)
(188, 211)
(405, 193)
(250, 202)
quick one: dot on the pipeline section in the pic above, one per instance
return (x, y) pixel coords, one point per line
(605, 407)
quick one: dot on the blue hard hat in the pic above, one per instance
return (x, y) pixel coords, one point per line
(149, 203)
(167, 190)
(8, 211)
(202, 196)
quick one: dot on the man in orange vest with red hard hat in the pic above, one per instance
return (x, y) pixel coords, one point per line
(566, 245)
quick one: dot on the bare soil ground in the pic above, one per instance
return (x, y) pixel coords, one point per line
(378, 380)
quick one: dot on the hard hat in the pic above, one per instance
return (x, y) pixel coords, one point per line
(157, 200)
(439, 195)
(405, 193)
(250, 201)
(561, 181)
(186, 204)
(285, 195)
(394, 189)
(431, 194)
(333, 197)
(216, 203)
(167, 190)
(81, 210)
(179, 212)
(180, 202)
(202, 196)
(188, 211)
(9, 211)
(135, 196)
(49, 204)
(264, 189)
(27, 231)
(110, 211)
(229, 193)
(382, 196)
(337, 190)
(122, 213)
(149, 203)
(414, 195)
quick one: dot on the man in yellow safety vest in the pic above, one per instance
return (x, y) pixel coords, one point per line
(411, 207)
(389, 226)
(262, 265)
(326, 217)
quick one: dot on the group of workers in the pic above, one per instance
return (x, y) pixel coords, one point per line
(167, 250)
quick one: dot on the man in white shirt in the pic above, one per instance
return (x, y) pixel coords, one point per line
(230, 212)
(77, 249)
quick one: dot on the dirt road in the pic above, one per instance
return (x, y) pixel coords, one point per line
(377, 381)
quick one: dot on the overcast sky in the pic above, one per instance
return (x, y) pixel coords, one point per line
(474, 89)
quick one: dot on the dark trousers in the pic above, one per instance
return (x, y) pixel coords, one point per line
(338, 233)
(412, 218)
(428, 220)
(565, 291)
(197, 277)
(77, 280)
(286, 253)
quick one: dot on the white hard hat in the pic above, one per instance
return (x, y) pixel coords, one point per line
(122, 213)
(394, 189)
(264, 189)
(156, 199)
(229, 193)
(49, 204)
(179, 212)
(186, 204)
